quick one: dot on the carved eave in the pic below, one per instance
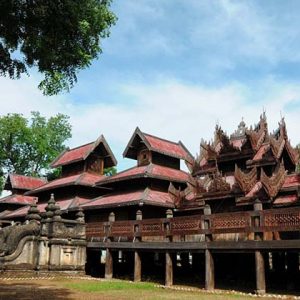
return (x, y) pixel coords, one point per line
(218, 184)
(176, 195)
(266, 158)
(274, 183)
(258, 135)
(245, 180)
(277, 146)
(258, 191)
(293, 153)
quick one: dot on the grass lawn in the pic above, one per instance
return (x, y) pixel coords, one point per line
(144, 290)
(64, 288)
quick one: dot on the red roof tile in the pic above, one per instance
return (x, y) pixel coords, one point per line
(151, 170)
(156, 144)
(167, 147)
(146, 196)
(260, 153)
(286, 199)
(18, 199)
(85, 178)
(22, 182)
(73, 155)
(64, 205)
(291, 180)
(82, 152)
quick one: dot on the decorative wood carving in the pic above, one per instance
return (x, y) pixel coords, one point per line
(176, 195)
(218, 183)
(284, 219)
(230, 221)
(273, 184)
(257, 136)
(245, 180)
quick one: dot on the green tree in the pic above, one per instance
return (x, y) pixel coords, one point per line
(27, 146)
(59, 37)
(110, 171)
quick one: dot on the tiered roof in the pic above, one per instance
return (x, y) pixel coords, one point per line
(151, 170)
(141, 197)
(250, 164)
(65, 205)
(83, 179)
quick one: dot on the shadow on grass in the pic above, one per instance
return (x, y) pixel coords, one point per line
(24, 291)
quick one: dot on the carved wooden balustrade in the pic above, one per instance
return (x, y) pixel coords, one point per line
(273, 220)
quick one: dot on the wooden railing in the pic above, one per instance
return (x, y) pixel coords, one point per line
(274, 220)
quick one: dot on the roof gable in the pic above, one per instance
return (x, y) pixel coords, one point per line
(22, 182)
(82, 152)
(156, 144)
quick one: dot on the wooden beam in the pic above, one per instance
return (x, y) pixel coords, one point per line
(222, 246)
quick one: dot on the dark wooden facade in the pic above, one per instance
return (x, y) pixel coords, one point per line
(238, 205)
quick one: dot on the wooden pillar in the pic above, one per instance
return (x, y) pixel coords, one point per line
(169, 269)
(260, 273)
(168, 260)
(109, 255)
(209, 271)
(209, 260)
(109, 264)
(259, 258)
(137, 256)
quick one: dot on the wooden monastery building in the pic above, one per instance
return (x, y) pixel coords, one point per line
(233, 218)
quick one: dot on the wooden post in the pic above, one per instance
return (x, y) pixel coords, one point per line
(259, 258)
(209, 271)
(137, 256)
(169, 269)
(169, 258)
(109, 256)
(209, 260)
(108, 264)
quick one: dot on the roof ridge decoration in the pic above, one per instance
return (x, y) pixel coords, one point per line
(245, 180)
(274, 183)
(101, 139)
(259, 133)
(279, 140)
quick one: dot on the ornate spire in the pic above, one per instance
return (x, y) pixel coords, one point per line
(80, 215)
(33, 213)
(240, 132)
(51, 207)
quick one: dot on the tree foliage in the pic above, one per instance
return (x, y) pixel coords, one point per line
(110, 171)
(59, 37)
(27, 146)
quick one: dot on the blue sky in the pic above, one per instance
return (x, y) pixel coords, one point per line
(176, 68)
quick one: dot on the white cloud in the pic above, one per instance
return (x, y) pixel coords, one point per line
(170, 109)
